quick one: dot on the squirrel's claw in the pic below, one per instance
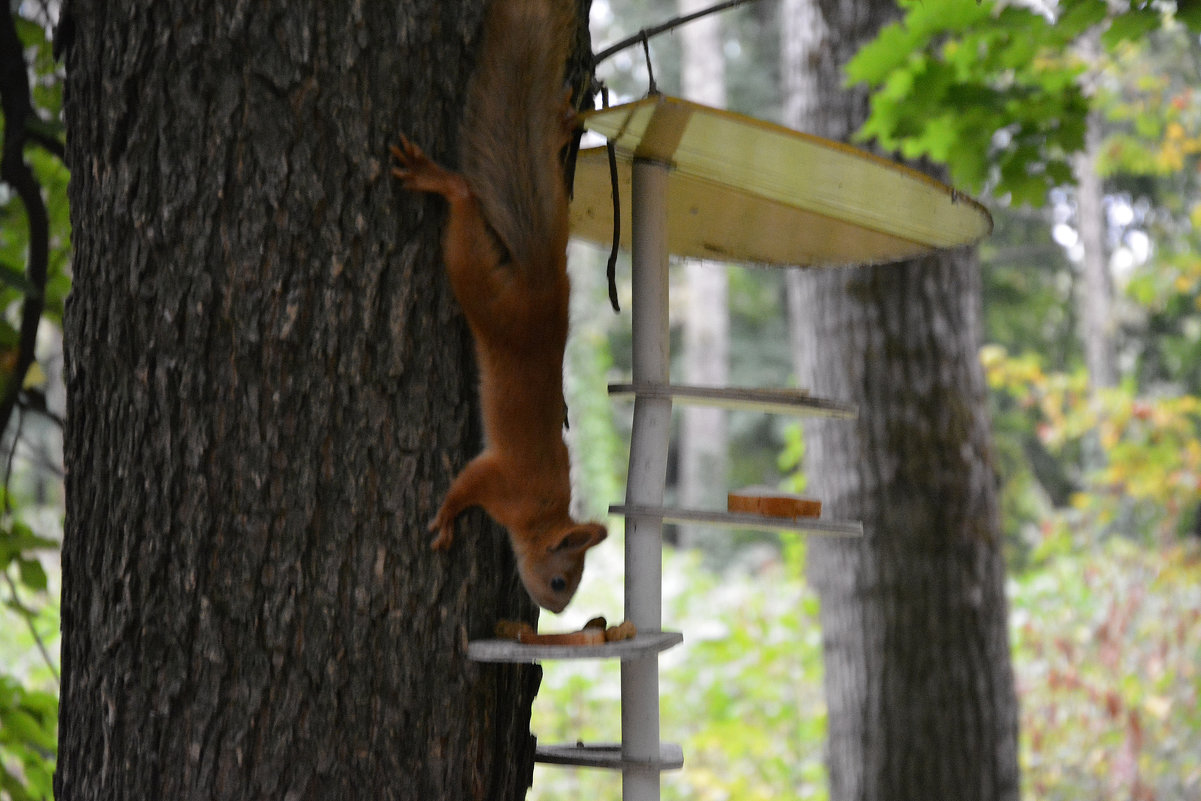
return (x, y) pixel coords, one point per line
(419, 173)
(446, 533)
(409, 156)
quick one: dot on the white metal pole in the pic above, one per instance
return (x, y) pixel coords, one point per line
(649, 442)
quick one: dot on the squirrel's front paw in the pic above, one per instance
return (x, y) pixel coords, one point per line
(446, 533)
(411, 160)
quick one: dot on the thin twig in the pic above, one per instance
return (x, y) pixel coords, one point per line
(47, 141)
(12, 457)
(27, 616)
(33, 400)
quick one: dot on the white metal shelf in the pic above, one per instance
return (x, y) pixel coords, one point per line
(703, 182)
(807, 525)
(771, 401)
(643, 644)
(608, 756)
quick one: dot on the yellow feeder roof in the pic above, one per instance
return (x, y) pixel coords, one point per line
(745, 190)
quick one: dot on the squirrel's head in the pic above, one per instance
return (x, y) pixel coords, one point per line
(551, 573)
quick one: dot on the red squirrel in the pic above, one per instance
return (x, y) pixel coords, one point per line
(505, 249)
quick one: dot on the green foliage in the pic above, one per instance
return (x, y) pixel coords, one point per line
(1107, 647)
(987, 89)
(18, 545)
(28, 700)
(1120, 460)
(1028, 287)
(1169, 348)
(758, 328)
(742, 695)
(1148, 482)
(588, 360)
(1107, 652)
(28, 619)
(994, 91)
(792, 459)
(28, 741)
(14, 243)
(1147, 97)
(757, 661)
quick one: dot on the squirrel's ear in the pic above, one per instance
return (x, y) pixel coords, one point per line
(580, 537)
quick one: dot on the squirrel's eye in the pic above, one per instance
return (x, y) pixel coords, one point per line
(558, 584)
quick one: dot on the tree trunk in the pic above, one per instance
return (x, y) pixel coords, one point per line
(270, 387)
(1096, 290)
(918, 679)
(706, 340)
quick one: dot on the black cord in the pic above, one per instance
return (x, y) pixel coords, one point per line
(611, 268)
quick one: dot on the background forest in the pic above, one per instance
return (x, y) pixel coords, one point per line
(1079, 124)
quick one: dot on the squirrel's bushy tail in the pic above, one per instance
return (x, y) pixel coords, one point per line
(513, 127)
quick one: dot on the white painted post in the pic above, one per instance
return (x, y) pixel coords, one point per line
(649, 442)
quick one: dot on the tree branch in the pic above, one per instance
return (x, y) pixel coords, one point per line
(655, 30)
(27, 615)
(14, 171)
(39, 133)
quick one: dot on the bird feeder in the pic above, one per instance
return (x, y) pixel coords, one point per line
(710, 184)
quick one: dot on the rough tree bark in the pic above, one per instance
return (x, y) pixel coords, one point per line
(918, 678)
(270, 386)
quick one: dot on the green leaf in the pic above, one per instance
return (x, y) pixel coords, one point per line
(47, 128)
(975, 95)
(33, 575)
(1132, 25)
(1060, 172)
(29, 32)
(1189, 13)
(15, 278)
(1024, 186)
(1078, 16)
(941, 135)
(1073, 123)
(20, 727)
(876, 61)
(933, 18)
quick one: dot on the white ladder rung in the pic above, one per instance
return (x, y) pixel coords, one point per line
(608, 755)
(772, 401)
(806, 525)
(643, 644)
